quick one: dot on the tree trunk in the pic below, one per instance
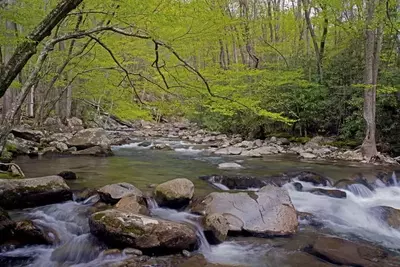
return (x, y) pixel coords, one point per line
(373, 45)
(27, 48)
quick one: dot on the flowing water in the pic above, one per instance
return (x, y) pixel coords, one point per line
(352, 217)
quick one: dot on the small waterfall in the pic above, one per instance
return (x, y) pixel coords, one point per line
(394, 179)
(221, 186)
(151, 203)
(91, 200)
(360, 190)
(184, 217)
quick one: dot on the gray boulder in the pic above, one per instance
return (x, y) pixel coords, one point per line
(216, 228)
(89, 138)
(24, 193)
(152, 236)
(133, 204)
(268, 212)
(176, 193)
(92, 151)
(115, 192)
(74, 124)
(28, 134)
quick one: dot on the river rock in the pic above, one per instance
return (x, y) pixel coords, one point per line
(74, 124)
(216, 228)
(329, 192)
(67, 175)
(24, 193)
(229, 165)
(389, 215)
(133, 204)
(27, 233)
(306, 155)
(251, 153)
(176, 193)
(310, 177)
(94, 151)
(54, 124)
(268, 212)
(115, 192)
(266, 150)
(62, 147)
(345, 252)
(123, 229)
(165, 147)
(145, 144)
(89, 138)
(28, 134)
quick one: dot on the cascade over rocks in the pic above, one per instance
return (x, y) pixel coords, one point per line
(176, 193)
(124, 229)
(268, 212)
(388, 214)
(32, 192)
(115, 192)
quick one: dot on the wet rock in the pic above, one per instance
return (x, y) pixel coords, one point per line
(19, 146)
(229, 151)
(133, 251)
(6, 225)
(329, 192)
(345, 252)
(216, 228)
(59, 145)
(123, 229)
(268, 212)
(28, 134)
(133, 204)
(300, 259)
(145, 144)
(176, 193)
(298, 186)
(229, 165)
(245, 182)
(56, 137)
(67, 175)
(89, 138)
(32, 192)
(48, 151)
(310, 177)
(27, 233)
(84, 194)
(308, 218)
(388, 214)
(266, 150)
(251, 153)
(94, 151)
(115, 192)
(283, 141)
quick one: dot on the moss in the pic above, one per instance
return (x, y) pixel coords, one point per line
(345, 143)
(6, 176)
(301, 140)
(11, 147)
(6, 156)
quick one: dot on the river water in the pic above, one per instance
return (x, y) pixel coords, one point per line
(350, 218)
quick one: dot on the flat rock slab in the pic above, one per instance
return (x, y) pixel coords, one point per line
(125, 229)
(32, 192)
(267, 212)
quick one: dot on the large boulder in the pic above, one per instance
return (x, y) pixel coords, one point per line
(124, 229)
(89, 138)
(268, 212)
(345, 252)
(176, 193)
(97, 151)
(28, 134)
(24, 193)
(113, 193)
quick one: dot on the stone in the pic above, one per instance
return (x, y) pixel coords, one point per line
(251, 153)
(329, 192)
(32, 192)
(89, 138)
(6, 225)
(67, 175)
(273, 139)
(115, 192)
(222, 151)
(388, 214)
(27, 233)
(258, 143)
(345, 252)
(165, 147)
(123, 229)
(57, 137)
(268, 212)
(176, 193)
(310, 177)
(266, 150)
(19, 146)
(234, 150)
(283, 141)
(133, 204)
(74, 124)
(54, 124)
(186, 253)
(84, 194)
(306, 155)
(145, 144)
(59, 145)
(229, 165)
(216, 228)
(97, 151)
(48, 151)
(28, 134)
(132, 251)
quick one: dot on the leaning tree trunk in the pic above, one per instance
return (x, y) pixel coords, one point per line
(27, 48)
(373, 45)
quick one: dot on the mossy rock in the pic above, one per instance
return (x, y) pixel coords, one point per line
(301, 140)
(351, 144)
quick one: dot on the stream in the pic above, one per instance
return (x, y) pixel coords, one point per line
(350, 217)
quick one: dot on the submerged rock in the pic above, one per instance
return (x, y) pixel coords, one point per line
(268, 212)
(176, 193)
(229, 165)
(115, 192)
(216, 228)
(32, 192)
(67, 175)
(345, 252)
(123, 229)
(329, 192)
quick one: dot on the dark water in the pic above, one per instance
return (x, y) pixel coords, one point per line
(342, 217)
